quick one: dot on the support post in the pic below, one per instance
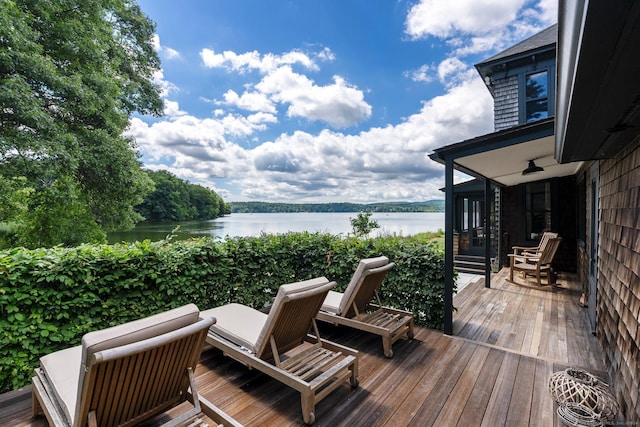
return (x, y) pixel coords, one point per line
(487, 233)
(448, 248)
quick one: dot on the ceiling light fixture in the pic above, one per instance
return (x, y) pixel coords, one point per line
(532, 168)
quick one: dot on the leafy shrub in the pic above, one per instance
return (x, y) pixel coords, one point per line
(49, 298)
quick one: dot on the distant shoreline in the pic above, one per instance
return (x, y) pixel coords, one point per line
(266, 207)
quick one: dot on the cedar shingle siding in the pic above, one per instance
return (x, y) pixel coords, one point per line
(618, 307)
(505, 106)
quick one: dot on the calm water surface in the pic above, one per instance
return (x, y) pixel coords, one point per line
(245, 224)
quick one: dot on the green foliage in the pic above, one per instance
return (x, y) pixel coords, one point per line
(362, 224)
(175, 199)
(14, 196)
(49, 298)
(265, 207)
(71, 74)
(57, 215)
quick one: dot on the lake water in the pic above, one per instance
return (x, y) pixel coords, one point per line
(253, 224)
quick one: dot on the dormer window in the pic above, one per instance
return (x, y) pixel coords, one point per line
(536, 97)
(521, 80)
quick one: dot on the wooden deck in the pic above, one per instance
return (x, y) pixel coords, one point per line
(494, 372)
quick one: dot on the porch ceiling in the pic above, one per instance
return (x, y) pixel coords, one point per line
(505, 165)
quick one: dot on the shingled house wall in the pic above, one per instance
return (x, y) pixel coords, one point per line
(618, 304)
(505, 103)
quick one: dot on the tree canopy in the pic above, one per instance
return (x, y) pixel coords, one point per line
(175, 199)
(72, 72)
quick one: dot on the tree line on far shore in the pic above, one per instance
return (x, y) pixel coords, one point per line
(267, 207)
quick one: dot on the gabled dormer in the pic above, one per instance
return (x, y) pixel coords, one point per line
(521, 80)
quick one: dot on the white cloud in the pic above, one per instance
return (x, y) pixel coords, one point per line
(164, 51)
(166, 87)
(172, 109)
(475, 26)
(451, 67)
(251, 101)
(546, 12)
(250, 61)
(422, 74)
(326, 55)
(337, 104)
(383, 163)
(446, 18)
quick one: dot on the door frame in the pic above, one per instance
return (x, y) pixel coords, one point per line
(594, 223)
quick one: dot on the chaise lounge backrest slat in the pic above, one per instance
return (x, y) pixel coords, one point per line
(370, 284)
(366, 280)
(291, 315)
(127, 384)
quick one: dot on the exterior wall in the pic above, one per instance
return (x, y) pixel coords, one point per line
(618, 305)
(505, 104)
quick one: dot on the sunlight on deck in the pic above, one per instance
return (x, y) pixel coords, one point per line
(509, 340)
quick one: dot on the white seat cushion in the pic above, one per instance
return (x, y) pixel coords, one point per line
(238, 323)
(62, 370)
(331, 303)
(66, 369)
(128, 333)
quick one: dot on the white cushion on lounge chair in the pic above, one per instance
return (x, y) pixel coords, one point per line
(248, 327)
(71, 372)
(238, 323)
(331, 303)
(63, 369)
(279, 344)
(365, 264)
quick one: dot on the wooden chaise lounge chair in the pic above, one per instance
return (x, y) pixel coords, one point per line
(127, 374)
(279, 344)
(535, 264)
(354, 307)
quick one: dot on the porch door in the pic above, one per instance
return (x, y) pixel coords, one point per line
(474, 223)
(593, 237)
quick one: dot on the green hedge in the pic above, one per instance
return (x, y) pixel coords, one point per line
(49, 298)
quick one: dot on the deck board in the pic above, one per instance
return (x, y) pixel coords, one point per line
(476, 404)
(509, 340)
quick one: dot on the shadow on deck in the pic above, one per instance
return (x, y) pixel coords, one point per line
(508, 340)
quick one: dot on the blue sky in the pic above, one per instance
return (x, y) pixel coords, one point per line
(303, 101)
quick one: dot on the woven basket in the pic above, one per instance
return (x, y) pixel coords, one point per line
(577, 387)
(575, 414)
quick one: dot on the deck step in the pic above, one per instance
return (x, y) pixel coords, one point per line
(469, 264)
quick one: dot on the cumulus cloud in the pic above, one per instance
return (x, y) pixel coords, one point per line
(166, 87)
(387, 162)
(337, 104)
(172, 109)
(251, 101)
(474, 26)
(445, 18)
(327, 166)
(250, 61)
(422, 74)
(164, 51)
